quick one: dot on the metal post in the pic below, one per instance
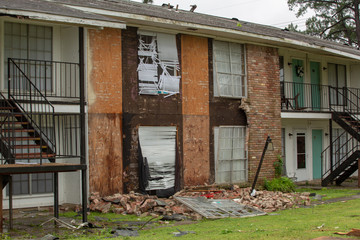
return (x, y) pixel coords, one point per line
(9, 80)
(82, 124)
(56, 195)
(10, 202)
(268, 140)
(331, 145)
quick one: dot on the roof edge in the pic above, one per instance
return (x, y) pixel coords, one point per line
(64, 19)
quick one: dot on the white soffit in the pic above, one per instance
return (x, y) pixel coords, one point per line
(215, 30)
(65, 19)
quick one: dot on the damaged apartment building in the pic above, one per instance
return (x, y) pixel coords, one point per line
(118, 96)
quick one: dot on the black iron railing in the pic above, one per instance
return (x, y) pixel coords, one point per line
(337, 152)
(342, 101)
(318, 98)
(32, 103)
(58, 81)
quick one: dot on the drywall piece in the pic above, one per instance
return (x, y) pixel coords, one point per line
(219, 208)
(158, 64)
(158, 146)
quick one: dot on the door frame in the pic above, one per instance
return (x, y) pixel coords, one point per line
(302, 174)
(312, 150)
(315, 89)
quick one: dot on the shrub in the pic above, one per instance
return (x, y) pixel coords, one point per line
(282, 184)
(278, 165)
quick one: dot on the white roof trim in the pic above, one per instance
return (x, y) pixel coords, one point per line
(64, 19)
(218, 29)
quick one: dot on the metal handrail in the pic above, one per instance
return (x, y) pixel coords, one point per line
(351, 108)
(24, 100)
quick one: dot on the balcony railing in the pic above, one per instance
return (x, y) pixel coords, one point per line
(57, 81)
(306, 97)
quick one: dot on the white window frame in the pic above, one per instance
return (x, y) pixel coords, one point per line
(242, 75)
(28, 51)
(218, 138)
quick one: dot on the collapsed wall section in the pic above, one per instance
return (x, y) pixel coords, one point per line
(105, 110)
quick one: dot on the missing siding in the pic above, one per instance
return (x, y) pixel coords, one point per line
(158, 150)
(158, 68)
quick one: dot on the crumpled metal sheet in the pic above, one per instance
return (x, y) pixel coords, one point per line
(218, 208)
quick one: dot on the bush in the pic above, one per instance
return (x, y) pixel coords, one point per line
(282, 184)
(278, 165)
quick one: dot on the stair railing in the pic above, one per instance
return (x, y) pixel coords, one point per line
(332, 159)
(7, 143)
(32, 102)
(341, 100)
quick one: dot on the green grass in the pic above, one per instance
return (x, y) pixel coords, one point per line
(296, 223)
(301, 223)
(331, 193)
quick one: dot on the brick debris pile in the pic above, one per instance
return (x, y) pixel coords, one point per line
(144, 205)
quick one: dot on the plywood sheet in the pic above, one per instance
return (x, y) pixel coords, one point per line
(195, 75)
(105, 153)
(196, 150)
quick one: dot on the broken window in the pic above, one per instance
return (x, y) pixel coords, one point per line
(158, 148)
(158, 68)
(230, 154)
(229, 69)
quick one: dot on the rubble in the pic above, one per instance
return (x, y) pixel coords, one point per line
(145, 205)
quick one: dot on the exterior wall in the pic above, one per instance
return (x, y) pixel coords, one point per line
(143, 110)
(264, 108)
(195, 110)
(105, 111)
(223, 112)
(292, 126)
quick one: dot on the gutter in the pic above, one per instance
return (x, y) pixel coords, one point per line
(64, 19)
(171, 23)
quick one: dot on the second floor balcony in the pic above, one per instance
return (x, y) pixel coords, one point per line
(306, 97)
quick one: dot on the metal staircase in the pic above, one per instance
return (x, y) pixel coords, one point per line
(20, 139)
(340, 159)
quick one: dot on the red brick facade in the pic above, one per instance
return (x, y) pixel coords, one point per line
(116, 111)
(264, 116)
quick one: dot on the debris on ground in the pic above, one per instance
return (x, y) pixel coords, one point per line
(266, 201)
(49, 237)
(354, 232)
(144, 205)
(125, 233)
(219, 208)
(182, 233)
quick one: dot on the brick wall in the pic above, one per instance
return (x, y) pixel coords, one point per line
(264, 103)
(105, 111)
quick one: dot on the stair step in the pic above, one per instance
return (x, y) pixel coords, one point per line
(22, 139)
(29, 146)
(16, 123)
(7, 108)
(18, 130)
(34, 155)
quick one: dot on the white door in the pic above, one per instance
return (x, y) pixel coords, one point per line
(301, 160)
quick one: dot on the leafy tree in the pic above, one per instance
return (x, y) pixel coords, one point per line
(148, 1)
(334, 19)
(293, 28)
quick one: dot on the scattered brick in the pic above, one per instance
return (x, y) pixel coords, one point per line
(145, 205)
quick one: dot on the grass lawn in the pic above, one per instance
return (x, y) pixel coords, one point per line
(297, 223)
(331, 193)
